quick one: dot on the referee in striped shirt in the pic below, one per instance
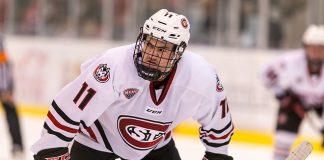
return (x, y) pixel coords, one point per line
(6, 98)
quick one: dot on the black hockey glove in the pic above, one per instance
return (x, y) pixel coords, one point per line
(288, 99)
(215, 156)
(53, 154)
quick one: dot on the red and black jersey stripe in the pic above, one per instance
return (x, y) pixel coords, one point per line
(89, 130)
(217, 144)
(211, 134)
(57, 134)
(216, 131)
(63, 115)
(59, 125)
(76, 124)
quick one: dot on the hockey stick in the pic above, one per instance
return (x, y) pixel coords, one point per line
(301, 152)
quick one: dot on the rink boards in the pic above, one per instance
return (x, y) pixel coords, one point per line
(43, 66)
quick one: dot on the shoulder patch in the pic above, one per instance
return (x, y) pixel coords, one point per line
(130, 92)
(219, 86)
(102, 73)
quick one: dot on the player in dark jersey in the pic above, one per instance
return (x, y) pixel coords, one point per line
(6, 98)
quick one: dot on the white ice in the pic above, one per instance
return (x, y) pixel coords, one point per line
(190, 148)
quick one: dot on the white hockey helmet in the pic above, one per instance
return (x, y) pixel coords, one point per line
(314, 35)
(169, 26)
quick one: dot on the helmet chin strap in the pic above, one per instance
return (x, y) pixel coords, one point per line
(150, 74)
(147, 73)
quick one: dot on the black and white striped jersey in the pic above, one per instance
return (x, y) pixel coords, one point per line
(6, 79)
(108, 107)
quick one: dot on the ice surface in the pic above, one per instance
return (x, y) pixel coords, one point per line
(190, 148)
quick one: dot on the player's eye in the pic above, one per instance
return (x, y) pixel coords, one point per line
(150, 45)
(160, 49)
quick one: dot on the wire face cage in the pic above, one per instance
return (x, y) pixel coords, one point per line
(154, 58)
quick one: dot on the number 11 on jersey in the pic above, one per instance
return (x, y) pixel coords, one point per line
(225, 109)
(90, 93)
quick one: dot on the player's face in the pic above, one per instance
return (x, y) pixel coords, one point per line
(315, 52)
(158, 54)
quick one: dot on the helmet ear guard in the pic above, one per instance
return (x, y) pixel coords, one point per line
(180, 48)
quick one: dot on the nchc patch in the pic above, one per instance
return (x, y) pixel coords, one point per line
(102, 73)
(130, 92)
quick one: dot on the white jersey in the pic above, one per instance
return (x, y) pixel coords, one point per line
(290, 72)
(108, 107)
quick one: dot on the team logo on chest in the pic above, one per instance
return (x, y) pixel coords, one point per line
(141, 134)
(102, 73)
(130, 92)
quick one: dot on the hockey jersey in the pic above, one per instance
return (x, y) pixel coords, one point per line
(290, 72)
(108, 107)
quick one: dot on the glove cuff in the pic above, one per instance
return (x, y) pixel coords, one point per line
(53, 153)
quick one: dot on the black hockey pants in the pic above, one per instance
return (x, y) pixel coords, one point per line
(13, 124)
(82, 152)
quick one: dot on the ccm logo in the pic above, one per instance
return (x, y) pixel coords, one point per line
(153, 111)
(159, 29)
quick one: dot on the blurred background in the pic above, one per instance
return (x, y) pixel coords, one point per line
(231, 23)
(47, 40)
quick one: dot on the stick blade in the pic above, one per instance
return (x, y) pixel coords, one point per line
(301, 152)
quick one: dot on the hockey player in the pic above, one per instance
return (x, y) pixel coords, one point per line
(126, 102)
(298, 83)
(6, 99)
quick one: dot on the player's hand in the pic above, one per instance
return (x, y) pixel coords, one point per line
(289, 99)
